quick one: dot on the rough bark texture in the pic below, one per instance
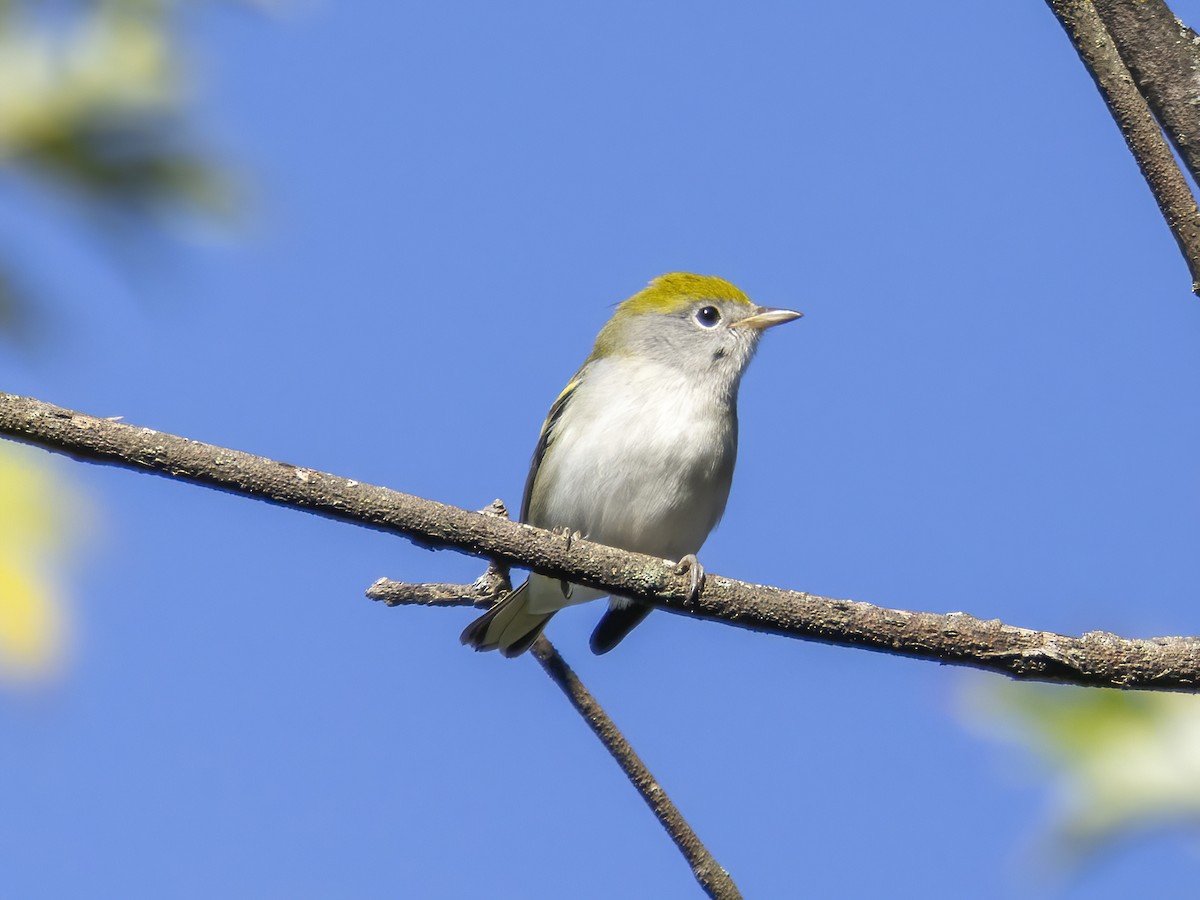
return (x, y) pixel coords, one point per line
(1096, 49)
(1096, 659)
(1163, 55)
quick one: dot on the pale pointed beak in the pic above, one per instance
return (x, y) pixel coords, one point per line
(764, 317)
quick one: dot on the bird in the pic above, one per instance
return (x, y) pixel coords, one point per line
(638, 450)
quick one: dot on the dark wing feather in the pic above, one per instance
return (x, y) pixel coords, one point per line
(544, 439)
(615, 624)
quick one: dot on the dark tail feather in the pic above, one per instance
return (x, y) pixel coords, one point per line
(520, 645)
(508, 626)
(615, 624)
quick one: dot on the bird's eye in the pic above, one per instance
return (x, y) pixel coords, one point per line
(708, 316)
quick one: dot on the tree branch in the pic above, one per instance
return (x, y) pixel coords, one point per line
(1096, 659)
(1145, 139)
(1163, 55)
(716, 882)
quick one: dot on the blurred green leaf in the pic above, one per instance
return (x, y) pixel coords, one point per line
(94, 107)
(1124, 762)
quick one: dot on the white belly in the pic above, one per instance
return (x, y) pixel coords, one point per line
(646, 469)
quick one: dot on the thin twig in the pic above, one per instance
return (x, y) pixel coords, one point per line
(1145, 139)
(1096, 659)
(716, 882)
(712, 877)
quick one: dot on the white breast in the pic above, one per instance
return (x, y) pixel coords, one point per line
(639, 459)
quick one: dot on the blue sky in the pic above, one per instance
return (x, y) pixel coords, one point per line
(989, 406)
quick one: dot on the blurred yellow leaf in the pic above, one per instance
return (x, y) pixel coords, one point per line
(28, 505)
(33, 539)
(30, 625)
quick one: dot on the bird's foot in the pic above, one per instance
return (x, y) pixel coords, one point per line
(690, 565)
(568, 534)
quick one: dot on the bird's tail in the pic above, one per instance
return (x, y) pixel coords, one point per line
(508, 626)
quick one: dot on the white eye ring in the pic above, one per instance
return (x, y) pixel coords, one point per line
(708, 316)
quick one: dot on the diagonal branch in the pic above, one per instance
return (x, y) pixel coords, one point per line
(1095, 47)
(1163, 55)
(711, 876)
(715, 881)
(1096, 659)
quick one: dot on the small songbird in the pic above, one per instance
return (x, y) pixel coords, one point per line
(638, 450)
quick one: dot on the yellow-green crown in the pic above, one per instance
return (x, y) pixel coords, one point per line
(675, 290)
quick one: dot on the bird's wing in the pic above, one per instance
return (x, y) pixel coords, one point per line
(616, 623)
(544, 439)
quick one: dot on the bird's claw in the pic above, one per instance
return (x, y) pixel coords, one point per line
(569, 534)
(690, 565)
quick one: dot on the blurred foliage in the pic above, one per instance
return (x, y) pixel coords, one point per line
(94, 110)
(94, 103)
(34, 532)
(1124, 762)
